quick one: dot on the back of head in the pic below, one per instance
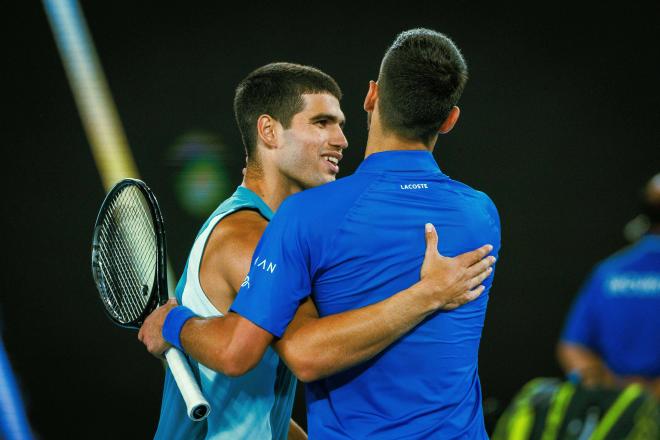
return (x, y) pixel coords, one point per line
(421, 78)
(276, 90)
(649, 219)
(651, 201)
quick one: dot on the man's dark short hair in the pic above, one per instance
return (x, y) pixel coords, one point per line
(421, 78)
(650, 200)
(276, 89)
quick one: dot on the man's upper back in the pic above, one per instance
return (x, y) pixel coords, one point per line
(357, 241)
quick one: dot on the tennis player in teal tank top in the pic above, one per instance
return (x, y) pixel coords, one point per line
(257, 405)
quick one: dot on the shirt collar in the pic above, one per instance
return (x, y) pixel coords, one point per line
(651, 241)
(248, 194)
(399, 160)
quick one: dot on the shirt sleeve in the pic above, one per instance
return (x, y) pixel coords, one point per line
(279, 277)
(581, 325)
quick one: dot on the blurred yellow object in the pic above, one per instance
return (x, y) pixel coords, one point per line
(96, 107)
(90, 89)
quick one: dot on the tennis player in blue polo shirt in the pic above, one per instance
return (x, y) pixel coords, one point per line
(352, 242)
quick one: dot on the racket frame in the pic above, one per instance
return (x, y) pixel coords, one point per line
(197, 407)
(159, 293)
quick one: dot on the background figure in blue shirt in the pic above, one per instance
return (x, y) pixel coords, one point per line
(290, 120)
(612, 334)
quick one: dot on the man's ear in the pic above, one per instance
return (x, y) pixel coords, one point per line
(372, 97)
(267, 131)
(449, 123)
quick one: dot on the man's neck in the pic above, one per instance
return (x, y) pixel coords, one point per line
(272, 187)
(378, 142)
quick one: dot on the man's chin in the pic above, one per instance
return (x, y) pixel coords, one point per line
(322, 180)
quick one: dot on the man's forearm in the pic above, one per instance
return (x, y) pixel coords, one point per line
(229, 344)
(316, 348)
(575, 358)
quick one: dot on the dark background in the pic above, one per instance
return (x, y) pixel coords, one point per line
(559, 125)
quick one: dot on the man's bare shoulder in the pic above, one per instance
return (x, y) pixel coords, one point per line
(228, 253)
(240, 229)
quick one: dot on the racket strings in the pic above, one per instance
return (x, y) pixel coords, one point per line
(125, 227)
(130, 264)
(120, 281)
(127, 252)
(135, 235)
(124, 277)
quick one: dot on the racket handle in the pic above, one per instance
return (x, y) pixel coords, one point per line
(197, 406)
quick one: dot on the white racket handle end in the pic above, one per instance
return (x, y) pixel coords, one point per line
(197, 406)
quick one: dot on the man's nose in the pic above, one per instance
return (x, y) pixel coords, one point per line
(339, 139)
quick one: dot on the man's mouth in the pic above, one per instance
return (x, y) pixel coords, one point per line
(332, 160)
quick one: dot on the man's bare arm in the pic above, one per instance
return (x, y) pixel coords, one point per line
(591, 369)
(234, 345)
(230, 344)
(314, 348)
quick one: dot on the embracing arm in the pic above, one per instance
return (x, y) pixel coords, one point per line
(230, 344)
(315, 347)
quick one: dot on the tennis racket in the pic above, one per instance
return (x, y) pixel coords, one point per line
(129, 268)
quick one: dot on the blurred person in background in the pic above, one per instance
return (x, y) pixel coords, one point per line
(612, 335)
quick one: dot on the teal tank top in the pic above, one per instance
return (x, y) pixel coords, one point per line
(256, 405)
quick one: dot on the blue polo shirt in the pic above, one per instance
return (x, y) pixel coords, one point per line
(355, 242)
(617, 313)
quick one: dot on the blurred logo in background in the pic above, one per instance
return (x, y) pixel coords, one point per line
(201, 180)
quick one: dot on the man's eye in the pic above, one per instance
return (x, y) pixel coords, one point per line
(322, 123)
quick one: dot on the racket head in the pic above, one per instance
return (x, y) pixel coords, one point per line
(129, 253)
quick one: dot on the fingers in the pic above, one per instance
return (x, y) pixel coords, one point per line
(480, 266)
(465, 298)
(431, 236)
(469, 258)
(474, 282)
(471, 295)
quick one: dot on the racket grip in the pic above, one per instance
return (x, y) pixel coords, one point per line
(197, 406)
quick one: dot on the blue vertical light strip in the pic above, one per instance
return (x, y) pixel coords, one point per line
(97, 109)
(13, 422)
